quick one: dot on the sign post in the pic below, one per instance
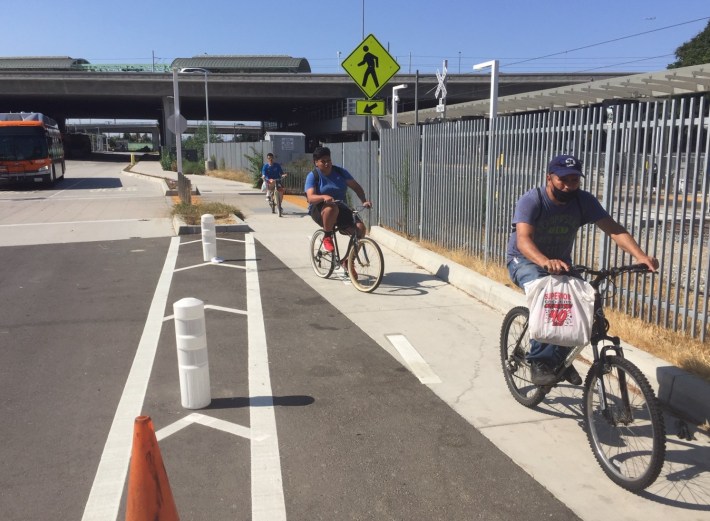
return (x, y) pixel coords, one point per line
(371, 67)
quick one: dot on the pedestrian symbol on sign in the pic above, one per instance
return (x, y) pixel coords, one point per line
(370, 66)
(372, 63)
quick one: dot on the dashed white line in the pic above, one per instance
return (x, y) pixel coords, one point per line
(417, 364)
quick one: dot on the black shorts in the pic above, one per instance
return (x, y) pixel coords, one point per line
(345, 215)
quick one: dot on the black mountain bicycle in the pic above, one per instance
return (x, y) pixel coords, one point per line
(363, 258)
(622, 417)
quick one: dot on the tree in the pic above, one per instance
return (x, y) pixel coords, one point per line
(695, 51)
(199, 139)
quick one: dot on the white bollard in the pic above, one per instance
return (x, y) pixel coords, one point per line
(193, 366)
(209, 237)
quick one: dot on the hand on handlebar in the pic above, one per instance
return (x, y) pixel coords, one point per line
(367, 204)
(650, 262)
(556, 266)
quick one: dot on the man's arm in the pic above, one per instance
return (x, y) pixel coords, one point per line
(314, 198)
(360, 192)
(626, 242)
(525, 234)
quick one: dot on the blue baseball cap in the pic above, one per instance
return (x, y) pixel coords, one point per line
(565, 165)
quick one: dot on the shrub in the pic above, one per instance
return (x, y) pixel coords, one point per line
(255, 164)
(167, 160)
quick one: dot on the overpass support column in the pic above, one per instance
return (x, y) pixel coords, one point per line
(155, 138)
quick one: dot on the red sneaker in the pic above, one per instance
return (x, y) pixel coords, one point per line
(328, 244)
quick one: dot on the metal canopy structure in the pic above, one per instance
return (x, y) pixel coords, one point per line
(684, 80)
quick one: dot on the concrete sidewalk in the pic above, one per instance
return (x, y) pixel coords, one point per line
(451, 317)
(684, 393)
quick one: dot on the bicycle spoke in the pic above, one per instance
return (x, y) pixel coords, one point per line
(514, 343)
(626, 435)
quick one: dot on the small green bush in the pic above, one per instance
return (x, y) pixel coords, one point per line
(255, 164)
(166, 160)
(193, 168)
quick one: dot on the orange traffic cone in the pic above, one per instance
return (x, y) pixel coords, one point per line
(149, 496)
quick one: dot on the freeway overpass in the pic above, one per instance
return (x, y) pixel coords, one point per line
(294, 101)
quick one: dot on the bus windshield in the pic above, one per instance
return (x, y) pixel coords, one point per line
(21, 144)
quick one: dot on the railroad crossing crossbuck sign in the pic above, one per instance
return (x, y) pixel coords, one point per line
(371, 66)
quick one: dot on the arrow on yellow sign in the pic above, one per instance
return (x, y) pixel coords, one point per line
(373, 107)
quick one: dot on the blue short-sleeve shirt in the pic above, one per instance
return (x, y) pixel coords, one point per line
(272, 171)
(334, 185)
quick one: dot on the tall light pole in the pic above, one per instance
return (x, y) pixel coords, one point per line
(190, 70)
(395, 99)
(183, 188)
(493, 112)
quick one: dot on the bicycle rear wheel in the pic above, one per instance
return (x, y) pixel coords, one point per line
(366, 265)
(627, 435)
(514, 346)
(321, 260)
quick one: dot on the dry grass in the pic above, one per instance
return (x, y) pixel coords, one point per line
(192, 213)
(675, 348)
(233, 175)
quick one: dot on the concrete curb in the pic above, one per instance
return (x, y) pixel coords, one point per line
(685, 394)
(182, 228)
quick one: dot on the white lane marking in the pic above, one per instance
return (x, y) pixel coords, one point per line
(207, 421)
(232, 240)
(417, 365)
(212, 264)
(107, 489)
(228, 310)
(44, 225)
(267, 495)
(212, 306)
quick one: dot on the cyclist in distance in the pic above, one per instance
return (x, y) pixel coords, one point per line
(325, 185)
(545, 224)
(272, 173)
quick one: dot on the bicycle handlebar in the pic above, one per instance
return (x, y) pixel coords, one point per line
(611, 272)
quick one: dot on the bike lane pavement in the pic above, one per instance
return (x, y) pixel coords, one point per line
(458, 338)
(358, 436)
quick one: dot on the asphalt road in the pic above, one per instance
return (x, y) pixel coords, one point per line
(310, 417)
(358, 436)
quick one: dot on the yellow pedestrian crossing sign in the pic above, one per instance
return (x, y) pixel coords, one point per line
(370, 107)
(371, 66)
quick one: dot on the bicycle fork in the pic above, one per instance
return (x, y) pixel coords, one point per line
(614, 415)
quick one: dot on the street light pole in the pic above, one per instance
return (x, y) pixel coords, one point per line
(183, 190)
(493, 112)
(395, 99)
(190, 70)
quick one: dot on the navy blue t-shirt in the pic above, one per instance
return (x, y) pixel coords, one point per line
(556, 225)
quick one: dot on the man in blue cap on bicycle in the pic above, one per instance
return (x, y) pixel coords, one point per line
(326, 188)
(545, 225)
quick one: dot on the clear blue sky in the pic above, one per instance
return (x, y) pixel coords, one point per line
(420, 34)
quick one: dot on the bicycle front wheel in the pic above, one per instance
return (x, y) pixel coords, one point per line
(624, 423)
(366, 265)
(277, 201)
(321, 260)
(514, 346)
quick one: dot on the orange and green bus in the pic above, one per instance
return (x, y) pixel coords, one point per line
(30, 148)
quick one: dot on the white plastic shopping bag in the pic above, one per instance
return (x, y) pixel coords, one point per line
(561, 310)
